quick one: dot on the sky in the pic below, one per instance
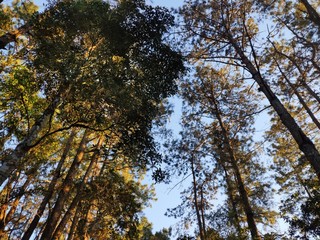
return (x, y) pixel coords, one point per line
(168, 195)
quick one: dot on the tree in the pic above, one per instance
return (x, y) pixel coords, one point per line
(230, 37)
(216, 149)
(88, 68)
(98, 64)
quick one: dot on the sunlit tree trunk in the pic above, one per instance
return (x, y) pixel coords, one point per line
(195, 197)
(10, 161)
(54, 216)
(74, 224)
(50, 189)
(73, 206)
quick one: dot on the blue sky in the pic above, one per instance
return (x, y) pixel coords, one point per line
(167, 197)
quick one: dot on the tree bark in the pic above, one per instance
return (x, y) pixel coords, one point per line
(240, 185)
(74, 224)
(304, 143)
(49, 193)
(313, 14)
(235, 216)
(77, 198)
(195, 196)
(54, 216)
(10, 161)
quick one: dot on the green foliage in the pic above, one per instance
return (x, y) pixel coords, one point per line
(85, 65)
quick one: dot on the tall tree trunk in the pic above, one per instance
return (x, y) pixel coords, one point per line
(310, 91)
(301, 100)
(74, 224)
(304, 143)
(195, 196)
(5, 214)
(4, 208)
(83, 226)
(302, 81)
(202, 213)
(54, 216)
(77, 198)
(10, 161)
(50, 190)
(240, 185)
(235, 216)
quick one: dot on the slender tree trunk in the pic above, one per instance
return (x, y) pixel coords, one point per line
(240, 185)
(77, 198)
(64, 193)
(202, 214)
(310, 91)
(304, 143)
(4, 207)
(235, 216)
(301, 100)
(71, 211)
(195, 196)
(82, 229)
(10, 161)
(74, 224)
(50, 190)
(302, 82)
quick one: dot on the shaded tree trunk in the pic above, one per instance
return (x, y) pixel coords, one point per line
(304, 143)
(195, 196)
(233, 202)
(313, 14)
(240, 185)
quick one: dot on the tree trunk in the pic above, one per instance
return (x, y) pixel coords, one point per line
(50, 190)
(54, 216)
(195, 196)
(313, 14)
(4, 208)
(304, 143)
(240, 185)
(74, 224)
(301, 100)
(202, 214)
(235, 216)
(78, 196)
(10, 161)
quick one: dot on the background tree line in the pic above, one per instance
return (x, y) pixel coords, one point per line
(85, 83)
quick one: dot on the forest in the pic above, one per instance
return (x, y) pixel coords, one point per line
(86, 89)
